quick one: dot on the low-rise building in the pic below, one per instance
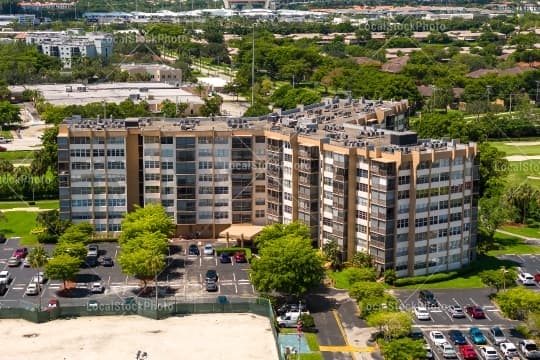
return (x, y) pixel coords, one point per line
(155, 72)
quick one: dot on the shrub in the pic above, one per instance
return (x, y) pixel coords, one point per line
(523, 331)
(46, 238)
(427, 279)
(308, 323)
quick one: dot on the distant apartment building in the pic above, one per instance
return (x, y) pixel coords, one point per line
(345, 168)
(71, 44)
(155, 72)
(38, 6)
(23, 19)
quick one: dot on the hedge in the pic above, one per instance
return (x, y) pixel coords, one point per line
(232, 250)
(427, 279)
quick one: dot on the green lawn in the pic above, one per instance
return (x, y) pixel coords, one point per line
(312, 342)
(6, 134)
(519, 171)
(18, 155)
(42, 204)
(523, 231)
(341, 281)
(19, 223)
(506, 244)
(519, 147)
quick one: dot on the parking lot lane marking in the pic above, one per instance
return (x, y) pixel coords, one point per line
(200, 260)
(473, 302)
(235, 288)
(215, 260)
(115, 253)
(109, 281)
(487, 317)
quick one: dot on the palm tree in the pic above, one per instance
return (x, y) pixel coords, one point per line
(521, 198)
(37, 258)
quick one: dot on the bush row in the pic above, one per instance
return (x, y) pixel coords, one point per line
(427, 279)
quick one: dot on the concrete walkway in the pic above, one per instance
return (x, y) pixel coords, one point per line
(528, 240)
(28, 209)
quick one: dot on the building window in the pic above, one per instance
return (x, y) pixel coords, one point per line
(403, 180)
(402, 223)
(404, 194)
(259, 213)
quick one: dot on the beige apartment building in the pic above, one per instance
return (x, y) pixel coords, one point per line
(345, 168)
(156, 72)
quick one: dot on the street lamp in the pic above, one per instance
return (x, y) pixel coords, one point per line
(504, 271)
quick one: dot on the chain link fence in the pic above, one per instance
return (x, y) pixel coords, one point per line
(147, 307)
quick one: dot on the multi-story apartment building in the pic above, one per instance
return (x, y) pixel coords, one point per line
(71, 44)
(334, 166)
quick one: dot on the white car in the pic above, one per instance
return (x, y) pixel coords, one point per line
(208, 250)
(437, 337)
(97, 288)
(39, 278)
(489, 353)
(526, 278)
(421, 313)
(448, 351)
(509, 350)
(5, 277)
(26, 262)
(33, 289)
(529, 349)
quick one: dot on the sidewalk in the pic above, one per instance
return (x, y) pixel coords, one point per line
(528, 239)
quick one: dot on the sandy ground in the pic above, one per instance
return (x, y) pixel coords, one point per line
(523, 143)
(209, 336)
(29, 140)
(522, 157)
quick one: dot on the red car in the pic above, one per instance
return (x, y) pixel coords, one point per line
(52, 304)
(475, 312)
(537, 278)
(21, 253)
(240, 257)
(467, 352)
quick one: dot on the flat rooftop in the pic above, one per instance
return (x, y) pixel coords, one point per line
(78, 94)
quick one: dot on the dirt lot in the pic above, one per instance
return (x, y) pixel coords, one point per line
(209, 336)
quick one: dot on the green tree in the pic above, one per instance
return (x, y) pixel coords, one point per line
(517, 303)
(172, 110)
(275, 231)
(366, 289)
(6, 167)
(142, 263)
(371, 305)
(332, 253)
(212, 106)
(390, 276)
(522, 198)
(498, 279)
(258, 109)
(38, 257)
(493, 169)
(76, 250)
(150, 219)
(9, 113)
(287, 264)
(62, 267)
(362, 260)
(392, 324)
(51, 222)
(403, 349)
(361, 274)
(492, 214)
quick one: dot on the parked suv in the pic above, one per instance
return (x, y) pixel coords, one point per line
(428, 298)
(529, 349)
(526, 278)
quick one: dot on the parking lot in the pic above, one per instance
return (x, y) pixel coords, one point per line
(184, 277)
(526, 263)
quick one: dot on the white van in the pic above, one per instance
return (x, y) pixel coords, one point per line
(289, 319)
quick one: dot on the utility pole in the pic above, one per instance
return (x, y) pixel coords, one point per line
(488, 89)
(253, 67)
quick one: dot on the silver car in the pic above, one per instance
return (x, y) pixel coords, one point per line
(33, 289)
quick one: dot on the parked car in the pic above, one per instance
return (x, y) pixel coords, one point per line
(422, 313)
(107, 261)
(52, 304)
(496, 335)
(416, 334)
(97, 288)
(240, 257)
(225, 258)
(21, 252)
(509, 350)
(193, 250)
(208, 250)
(92, 305)
(3, 289)
(26, 263)
(39, 278)
(526, 278)
(33, 289)
(5, 277)
(457, 337)
(211, 286)
(428, 298)
(93, 250)
(529, 349)
(448, 351)
(489, 353)
(476, 312)
(476, 336)
(429, 352)
(14, 261)
(456, 311)
(211, 275)
(537, 278)
(289, 319)
(437, 337)
(292, 307)
(468, 353)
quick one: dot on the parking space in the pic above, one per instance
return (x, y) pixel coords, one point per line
(526, 263)
(184, 276)
(233, 277)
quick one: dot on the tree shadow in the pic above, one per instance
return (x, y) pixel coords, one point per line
(74, 293)
(87, 278)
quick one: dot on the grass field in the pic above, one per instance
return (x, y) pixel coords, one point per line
(17, 156)
(518, 147)
(341, 281)
(521, 230)
(505, 244)
(19, 223)
(42, 204)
